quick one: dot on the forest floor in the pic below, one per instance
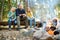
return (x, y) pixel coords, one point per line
(13, 35)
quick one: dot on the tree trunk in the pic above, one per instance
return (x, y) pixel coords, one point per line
(16, 3)
(26, 4)
(9, 4)
(2, 9)
(20, 1)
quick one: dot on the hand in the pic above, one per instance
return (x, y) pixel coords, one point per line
(24, 14)
(13, 19)
(20, 15)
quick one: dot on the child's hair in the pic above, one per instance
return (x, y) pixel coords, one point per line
(52, 28)
(12, 8)
(56, 32)
(55, 20)
(39, 24)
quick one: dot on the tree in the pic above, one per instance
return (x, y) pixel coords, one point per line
(2, 9)
(25, 4)
(58, 7)
(9, 4)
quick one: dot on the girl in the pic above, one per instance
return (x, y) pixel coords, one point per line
(30, 17)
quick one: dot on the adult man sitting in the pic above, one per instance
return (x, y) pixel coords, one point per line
(20, 13)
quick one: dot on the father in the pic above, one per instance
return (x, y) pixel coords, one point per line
(20, 13)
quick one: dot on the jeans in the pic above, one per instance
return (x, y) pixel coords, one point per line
(18, 21)
(24, 19)
(10, 22)
(32, 20)
(44, 25)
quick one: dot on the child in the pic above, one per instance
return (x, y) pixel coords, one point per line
(12, 17)
(43, 34)
(55, 22)
(30, 17)
(51, 31)
(39, 26)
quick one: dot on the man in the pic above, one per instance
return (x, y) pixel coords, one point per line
(20, 13)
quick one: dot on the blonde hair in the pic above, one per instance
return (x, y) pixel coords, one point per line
(12, 8)
(29, 9)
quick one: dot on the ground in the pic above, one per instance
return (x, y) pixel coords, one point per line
(12, 35)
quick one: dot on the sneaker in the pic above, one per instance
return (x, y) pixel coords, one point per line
(26, 27)
(18, 29)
